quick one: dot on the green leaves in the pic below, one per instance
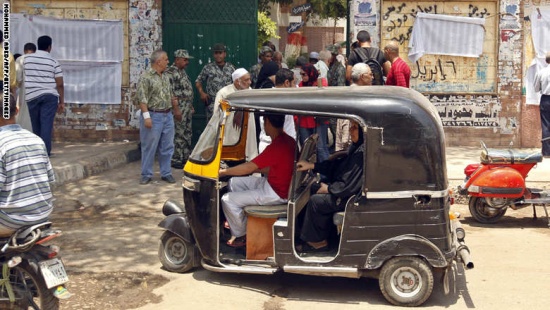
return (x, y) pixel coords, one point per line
(326, 9)
(267, 28)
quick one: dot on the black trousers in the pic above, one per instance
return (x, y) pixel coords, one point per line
(318, 219)
(545, 124)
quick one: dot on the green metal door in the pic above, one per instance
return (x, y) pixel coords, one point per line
(197, 25)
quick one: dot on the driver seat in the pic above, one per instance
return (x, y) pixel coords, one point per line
(259, 229)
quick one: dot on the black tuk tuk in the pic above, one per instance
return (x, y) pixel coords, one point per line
(399, 229)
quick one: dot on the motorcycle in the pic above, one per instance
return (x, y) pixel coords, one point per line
(33, 274)
(498, 183)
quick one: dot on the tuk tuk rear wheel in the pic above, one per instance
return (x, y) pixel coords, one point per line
(175, 254)
(482, 212)
(406, 281)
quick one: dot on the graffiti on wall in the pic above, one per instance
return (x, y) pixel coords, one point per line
(510, 38)
(145, 37)
(440, 73)
(468, 110)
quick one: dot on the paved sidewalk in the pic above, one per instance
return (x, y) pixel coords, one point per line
(75, 161)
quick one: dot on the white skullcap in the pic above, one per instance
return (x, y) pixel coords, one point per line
(237, 74)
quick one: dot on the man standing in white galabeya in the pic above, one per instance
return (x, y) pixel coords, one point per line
(542, 84)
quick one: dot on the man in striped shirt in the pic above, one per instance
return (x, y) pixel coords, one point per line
(25, 176)
(43, 90)
(400, 73)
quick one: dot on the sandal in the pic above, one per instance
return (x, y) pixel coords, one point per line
(238, 242)
(306, 247)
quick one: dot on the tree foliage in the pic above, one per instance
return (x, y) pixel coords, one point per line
(265, 5)
(267, 28)
(325, 9)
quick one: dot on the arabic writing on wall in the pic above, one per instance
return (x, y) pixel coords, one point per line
(439, 73)
(468, 110)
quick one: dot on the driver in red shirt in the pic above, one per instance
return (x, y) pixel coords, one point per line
(276, 163)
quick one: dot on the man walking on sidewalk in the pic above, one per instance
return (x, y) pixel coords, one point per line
(156, 126)
(44, 90)
(183, 91)
(542, 84)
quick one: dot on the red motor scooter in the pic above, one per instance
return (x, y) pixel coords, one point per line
(498, 182)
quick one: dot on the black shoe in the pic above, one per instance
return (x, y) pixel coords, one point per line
(177, 166)
(144, 180)
(169, 179)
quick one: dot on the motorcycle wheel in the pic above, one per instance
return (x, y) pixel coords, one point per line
(175, 254)
(484, 213)
(29, 289)
(406, 281)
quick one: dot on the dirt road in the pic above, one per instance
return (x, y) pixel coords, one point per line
(110, 247)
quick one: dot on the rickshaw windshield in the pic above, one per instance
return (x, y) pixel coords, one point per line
(205, 150)
(233, 128)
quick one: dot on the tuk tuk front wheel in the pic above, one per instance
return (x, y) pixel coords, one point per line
(175, 254)
(406, 281)
(482, 212)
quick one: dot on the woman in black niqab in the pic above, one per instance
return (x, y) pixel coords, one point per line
(344, 179)
(268, 69)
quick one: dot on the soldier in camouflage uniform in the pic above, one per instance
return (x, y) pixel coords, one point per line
(216, 75)
(183, 91)
(266, 54)
(337, 72)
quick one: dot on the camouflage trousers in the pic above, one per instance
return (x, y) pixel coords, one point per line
(183, 136)
(209, 110)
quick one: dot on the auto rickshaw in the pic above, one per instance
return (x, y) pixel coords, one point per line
(398, 229)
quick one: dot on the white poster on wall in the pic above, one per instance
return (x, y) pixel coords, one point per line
(90, 53)
(540, 30)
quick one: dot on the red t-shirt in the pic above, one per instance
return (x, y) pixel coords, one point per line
(400, 74)
(279, 157)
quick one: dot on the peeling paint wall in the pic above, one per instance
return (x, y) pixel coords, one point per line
(142, 35)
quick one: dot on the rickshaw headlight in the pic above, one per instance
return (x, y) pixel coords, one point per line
(473, 189)
(460, 234)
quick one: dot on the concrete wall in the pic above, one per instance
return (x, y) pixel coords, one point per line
(492, 108)
(142, 35)
(478, 99)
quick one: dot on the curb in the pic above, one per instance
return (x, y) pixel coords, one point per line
(94, 165)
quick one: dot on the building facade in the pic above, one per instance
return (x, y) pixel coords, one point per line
(483, 98)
